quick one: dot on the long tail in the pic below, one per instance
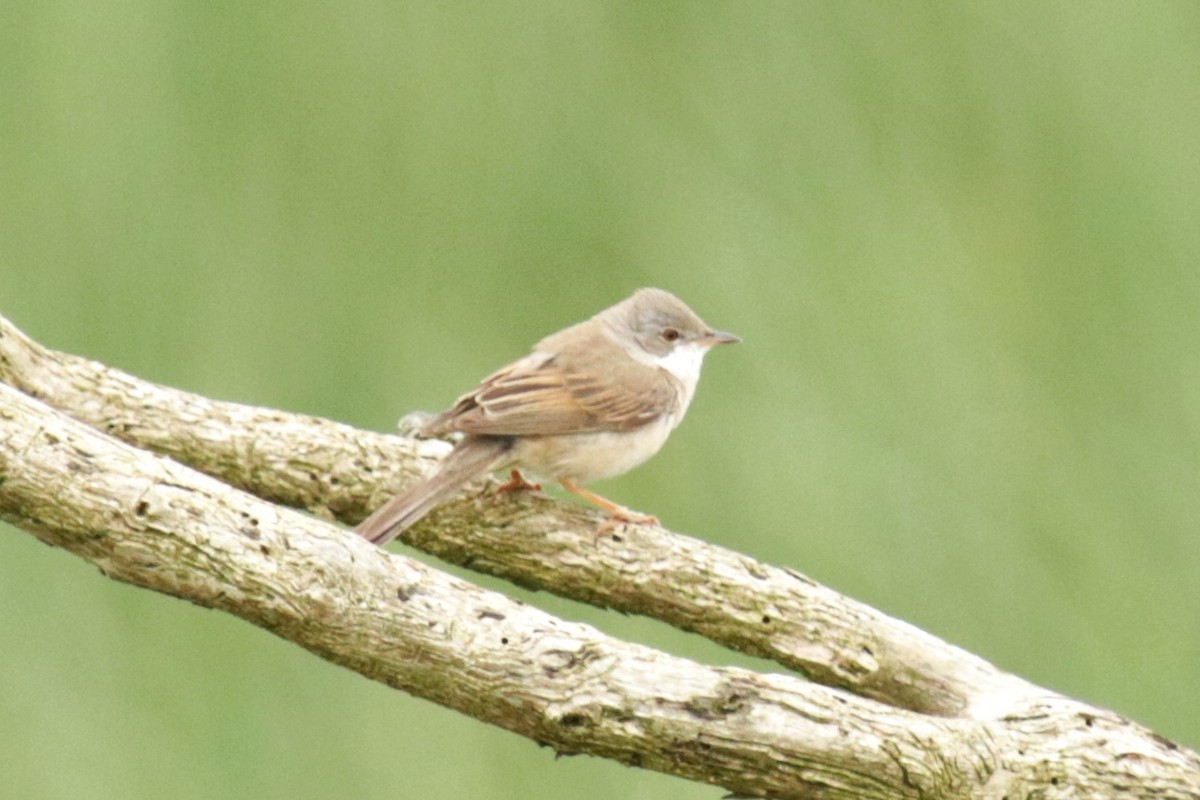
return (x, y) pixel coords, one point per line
(472, 457)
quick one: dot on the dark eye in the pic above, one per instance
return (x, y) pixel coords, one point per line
(670, 334)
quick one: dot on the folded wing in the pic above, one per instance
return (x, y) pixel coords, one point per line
(541, 395)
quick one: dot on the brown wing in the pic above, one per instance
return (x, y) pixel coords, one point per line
(547, 394)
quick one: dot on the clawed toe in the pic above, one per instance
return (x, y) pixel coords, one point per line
(517, 483)
(625, 516)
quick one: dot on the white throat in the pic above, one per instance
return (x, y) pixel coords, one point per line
(683, 362)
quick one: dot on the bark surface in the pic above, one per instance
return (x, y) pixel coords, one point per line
(185, 495)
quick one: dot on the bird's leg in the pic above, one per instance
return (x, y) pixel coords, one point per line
(517, 483)
(619, 513)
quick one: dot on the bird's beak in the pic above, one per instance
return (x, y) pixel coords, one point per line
(718, 337)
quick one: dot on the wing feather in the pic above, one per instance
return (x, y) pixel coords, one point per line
(542, 395)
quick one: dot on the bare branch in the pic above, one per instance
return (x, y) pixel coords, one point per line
(150, 521)
(725, 596)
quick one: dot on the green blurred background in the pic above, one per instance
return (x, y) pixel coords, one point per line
(960, 242)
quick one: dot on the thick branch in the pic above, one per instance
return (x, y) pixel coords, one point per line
(725, 596)
(149, 521)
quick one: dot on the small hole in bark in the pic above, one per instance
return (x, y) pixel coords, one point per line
(141, 508)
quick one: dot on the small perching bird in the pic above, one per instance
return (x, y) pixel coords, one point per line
(590, 402)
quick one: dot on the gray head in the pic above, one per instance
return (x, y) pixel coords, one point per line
(660, 322)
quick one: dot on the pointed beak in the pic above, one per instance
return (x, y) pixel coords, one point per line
(718, 337)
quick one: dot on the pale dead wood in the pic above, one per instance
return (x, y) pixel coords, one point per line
(323, 466)
(149, 521)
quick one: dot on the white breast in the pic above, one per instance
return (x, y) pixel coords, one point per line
(587, 457)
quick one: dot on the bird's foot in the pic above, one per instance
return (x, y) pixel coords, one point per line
(517, 483)
(620, 516)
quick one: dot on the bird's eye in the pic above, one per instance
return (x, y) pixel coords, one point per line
(670, 334)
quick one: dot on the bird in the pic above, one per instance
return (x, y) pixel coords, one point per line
(589, 403)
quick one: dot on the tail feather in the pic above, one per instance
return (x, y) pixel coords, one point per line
(471, 458)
